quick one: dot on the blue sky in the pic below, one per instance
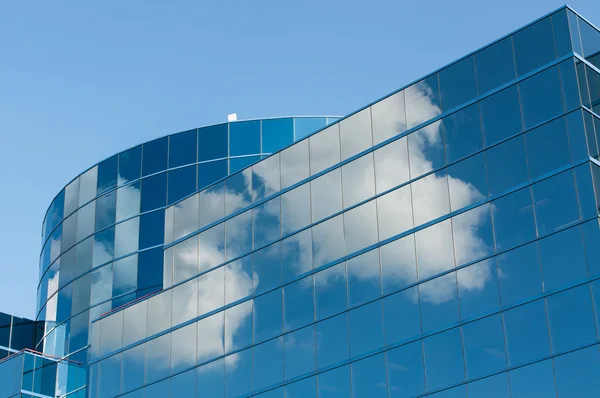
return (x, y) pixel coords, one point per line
(83, 80)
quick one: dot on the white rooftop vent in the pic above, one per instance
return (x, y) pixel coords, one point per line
(232, 117)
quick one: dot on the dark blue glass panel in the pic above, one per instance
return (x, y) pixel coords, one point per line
(555, 203)
(536, 380)
(520, 274)
(541, 97)
(152, 226)
(484, 346)
(237, 164)
(330, 291)
(591, 234)
(547, 148)
(574, 28)
(244, 138)
(307, 125)
(366, 328)
(213, 142)
(150, 274)
(463, 133)
(563, 259)
(501, 115)
(444, 359)
(154, 192)
(405, 370)
(130, 165)
(182, 148)
(577, 373)
(332, 341)
(335, 383)
(106, 210)
(534, 46)
(506, 165)
(526, 333)
(590, 39)
(491, 387)
(211, 172)
(154, 156)
(577, 137)
(277, 134)
(456, 392)
(468, 175)
(107, 175)
(267, 316)
(585, 191)
(369, 377)
(495, 65)
(562, 36)
(182, 182)
(513, 219)
(568, 78)
(457, 83)
(298, 303)
(266, 266)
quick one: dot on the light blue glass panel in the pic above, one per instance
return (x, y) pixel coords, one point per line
(541, 97)
(330, 291)
(369, 377)
(299, 352)
(402, 317)
(238, 374)
(133, 368)
(299, 305)
(355, 133)
(430, 197)
(555, 203)
(326, 195)
(422, 101)
(304, 126)
(364, 278)
(334, 383)
(297, 255)
(211, 379)
(237, 164)
(328, 241)
(501, 115)
(526, 332)
(478, 289)
(332, 341)
(366, 328)
(295, 209)
(184, 385)
(266, 178)
(277, 134)
(266, 268)
(406, 376)
(444, 359)
(398, 264)
(358, 180)
(577, 373)
(244, 138)
(426, 149)
(157, 390)
(503, 174)
(238, 326)
(491, 387)
(305, 388)
(513, 219)
(268, 313)
(158, 358)
(435, 251)
(439, 302)
(394, 212)
(547, 148)
(563, 259)
(467, 181)
(484, 346)
(536, 380)
(519, 271)
(268, 363)
(109, 376)
(267, 222)
(473, 235)
(389, 117)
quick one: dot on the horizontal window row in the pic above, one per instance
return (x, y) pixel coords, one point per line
(446, 141)
(198, 145)
(507, 279)
(530, 332)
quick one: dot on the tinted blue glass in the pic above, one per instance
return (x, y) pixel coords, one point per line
(473, 235)
(495, 65)
(299, 352)
(501, 115)
(506, 165)
(468, 175)
(491, 387)
(513, 219)
(152, 226)
(398, 264)
(555, 203)
(439, 303)
(184, 385)
(585, 191)
(109, 376)
(590, 38)
(520, 274)
(369, 377)
(594, 87)
(276, 393)
(402, 318)
(182, 148)
(212, 142)
(568, 77)
(303, 126)
(426, 149)
(154, 192)
(547, 148)
(151, 269)
(366, 328)
(297, 255)
(574, 28)
(238, 325)
(211, 379)
(562, 37)
(484, 346)
(154, 156)
(107, 174)
(577, 373)
(277, 134)
(534, 46)
(457, 83)
(238, 374)
(577, 138)
(364, 277)
(238, 164)
(335, 383)
(266, 266)
(182, 182)
(405, 370)
(463, 133)
(526, 332)
(591, 233)
(267, 222)
(536, 380)
(571, 318)
(157, 390)
(106, 210)
(332, 341)
(330, 291)
(456, 392)
(269, 359)
(541, 97)
(563, 259)
(133, 368)
(244, 138)
(211, 172)
(444, 359)
(478, 289)
(130, 165)
(267, 316)
(305, 388)
(299, 303)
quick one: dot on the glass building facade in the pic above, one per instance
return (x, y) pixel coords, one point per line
(440, 242)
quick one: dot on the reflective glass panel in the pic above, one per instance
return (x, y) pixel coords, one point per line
(330, 291)
(391, 165)
(495, 65)
(334, 383)
(328, 241)
(435, 252)
(533, 380)
(534, 46)
(355, 133)
(299, 352)
(501, 115)
(277, 134)
(369, 377)
(213, 142)
(364, 278)
(405, 370)
(366, 328)
(422, 101)
(484, 346)
(426, 149)
(244, 138)
(182, 148)
(541, 97)
(513, 219)
(211, 172)
(389, 117)
(563, 259)
(555, 203)
(457, 83)
(295, 209)
(478, 289)
(430, 197)
(467, 181)
(107, 175)
(268, 357)
(577, 373)
(444, 359)
(506, 165)
(126, 237)
(463, 133)
(182, 182)
(299, 303)
(394, 212)
(294, 164)
(154, 192)
(332, 340)
(358, 180)
(130, 165)
(268, 311)
(526, 333)
(154, 156)
(324, 149)
(439, 303)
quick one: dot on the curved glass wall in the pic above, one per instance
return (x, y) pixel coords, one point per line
(438, 243)
(103, 234)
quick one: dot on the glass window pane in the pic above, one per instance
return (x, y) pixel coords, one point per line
(238, 235)
(268, 311)
(519, 271)
(577, 373)
(277, 134)
(360, 227)
(183, 348)
(398, 264)
(435, 252)
(107, 175)
(182, 148)
(265, 178)
(211, 337)
(158, 358)
(305, 388)
(555, 203)
(133, 367)
(184, 385)
(534, 46)
(106, 207)
(394, 212)
(244, 138)
(478, 289)
(444, 359)
(533, 380)
(332, 340)
(185, 302)
(85, 221)
(402, 317)
(556, 251)
(389, 117)
(71, 197)
(297, 256)
(547, 148)
(266, 268)
(210, 290)
(330, 291)
(267, 222)
(391, 165)
(591, 232)
(467, 182)
(430, 197)
(295, 209)
(109, 376)
(154, 156)
(305, 126)
(130, 165)
(154, 192)
(422, 101)
(484, 346)
(335, 383)
(328, 241)
(299, 352)
(87, 186)
(369, 378)
(358, 180)
(128, 201)
(326, 195)
(463, 134)
(125, 275)
(294, 164)
(526, 333)
(126, 237)
(159, 313)
(299, 305)
(364, 278)
(473, 235)
(457, 83)
(211, 172)
(513, 219)
(501, 115)
(324, 149)
(426, 149)
(213, 142)
(355, 133)
(268, 360)
(134, 322)
(406, 376)
(541, 97)
(238, 374)
(182, 182)
(502, 173)
(366, 328)
(212, 204)
(439, 303)
(495, 65)
(491, 387)
(238, 326)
